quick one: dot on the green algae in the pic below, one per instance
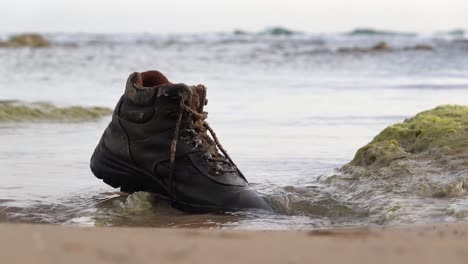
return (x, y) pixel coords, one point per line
(14, 111)
(26, 40)
(440, 131)
(379, 153)
(426, 155)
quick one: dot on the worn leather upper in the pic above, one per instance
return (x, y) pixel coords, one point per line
(144, 122)
(142, 130)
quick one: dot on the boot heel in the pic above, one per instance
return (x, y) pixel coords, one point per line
(114, 172)
(117, 172)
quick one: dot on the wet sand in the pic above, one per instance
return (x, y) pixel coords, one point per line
(444, 243)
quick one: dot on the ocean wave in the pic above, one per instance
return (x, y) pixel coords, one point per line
(372, 32)
(265, 47)
(384, 46)
(16, 111)
(276, 36)
(432, 86)
(457, 32)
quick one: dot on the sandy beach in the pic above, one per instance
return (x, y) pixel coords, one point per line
(442, 243)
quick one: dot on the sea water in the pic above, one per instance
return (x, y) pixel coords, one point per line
(290, 110)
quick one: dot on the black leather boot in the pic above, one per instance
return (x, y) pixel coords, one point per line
(158, 142)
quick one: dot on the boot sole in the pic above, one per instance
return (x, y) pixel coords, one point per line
(129, 178)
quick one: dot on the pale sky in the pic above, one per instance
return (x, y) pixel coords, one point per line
(225, 15)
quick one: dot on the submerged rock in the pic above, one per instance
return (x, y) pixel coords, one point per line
(431, 148)
(384, 47)
(136, 202)
(419, 47)
(15, 111)
(26, 40)
(381, 46)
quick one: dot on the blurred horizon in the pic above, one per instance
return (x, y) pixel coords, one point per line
(208, 16)
(360, 30)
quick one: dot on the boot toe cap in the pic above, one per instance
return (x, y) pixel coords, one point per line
(246, 198)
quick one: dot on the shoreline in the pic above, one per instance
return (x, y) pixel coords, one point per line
(34, 243)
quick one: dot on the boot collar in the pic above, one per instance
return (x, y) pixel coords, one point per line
(138, 94)
(134, 91)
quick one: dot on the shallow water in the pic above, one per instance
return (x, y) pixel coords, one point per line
(288, 109)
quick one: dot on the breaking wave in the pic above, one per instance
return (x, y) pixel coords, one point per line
(333, 201)
(17, 111)
(275, 39)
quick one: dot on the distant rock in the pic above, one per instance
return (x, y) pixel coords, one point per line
(381, 46)
(26, 40)
(384, 47)
(279, 31)
(419, 47)
(457, 32)
(16, 111)
(370, 31)
(240, 32)
(427, 154)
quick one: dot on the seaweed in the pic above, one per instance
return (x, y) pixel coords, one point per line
(15, 111)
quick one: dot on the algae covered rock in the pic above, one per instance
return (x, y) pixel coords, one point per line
(15, 111)
(26, 40)
(429, 149)
(443, 130)
(380, 153)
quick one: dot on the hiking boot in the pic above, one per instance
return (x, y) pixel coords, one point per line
(158, 142)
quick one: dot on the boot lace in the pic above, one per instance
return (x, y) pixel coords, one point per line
(198, 133)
